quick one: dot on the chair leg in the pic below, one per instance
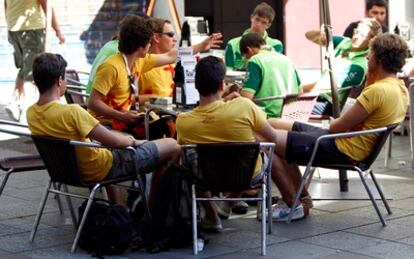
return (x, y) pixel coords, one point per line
(379, 189)
(387, 155)
(70, 206)
(57, 186)
(141, 188)
(371, 197)
(40, 211)
(264, 219)
(84, 217)
(269, 204)
(5, 179)
(194, 218)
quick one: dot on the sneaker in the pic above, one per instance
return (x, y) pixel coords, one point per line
(14, 111)
(240, 207)
(211, 225)
(223, 209)
(281, 212)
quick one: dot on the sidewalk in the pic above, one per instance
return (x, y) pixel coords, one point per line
(335, 229)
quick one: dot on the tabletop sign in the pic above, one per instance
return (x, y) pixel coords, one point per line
(185, 93)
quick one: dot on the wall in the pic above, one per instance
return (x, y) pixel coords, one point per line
(303, 15)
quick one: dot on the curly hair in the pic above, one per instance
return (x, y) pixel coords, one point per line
(390, 50)
(135, 32)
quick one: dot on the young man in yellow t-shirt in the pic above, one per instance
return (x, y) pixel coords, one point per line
(216, 120)
(158, 82)
(115, 86)
(383, 101)
(70, 121)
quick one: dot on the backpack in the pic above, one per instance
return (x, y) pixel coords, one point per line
(108, 228)
(170, 225)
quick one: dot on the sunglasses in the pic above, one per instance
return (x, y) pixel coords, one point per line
(169, 34)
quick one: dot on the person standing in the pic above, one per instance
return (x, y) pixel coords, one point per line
(26, 26)
(376, 9)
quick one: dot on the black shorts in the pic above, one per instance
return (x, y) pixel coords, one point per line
(300, 143)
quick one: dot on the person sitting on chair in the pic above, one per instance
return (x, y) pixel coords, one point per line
(350, 63)
(260, 20)
(268, 74)
(383, 102)
(216, 121)
(48, 116)
(115, 87)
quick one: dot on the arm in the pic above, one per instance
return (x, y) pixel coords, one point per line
(350, 119)
(247, 94)
(97, 104)
(111, 138)
(55, 25)
(213, 41)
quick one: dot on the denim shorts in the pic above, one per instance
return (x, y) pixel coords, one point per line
(146, 155)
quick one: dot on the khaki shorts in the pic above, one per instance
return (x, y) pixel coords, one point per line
(26, 44)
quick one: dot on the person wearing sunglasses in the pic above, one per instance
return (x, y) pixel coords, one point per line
(158, 82)
(113, 92)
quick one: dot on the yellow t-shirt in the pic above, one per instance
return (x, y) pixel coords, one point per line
(386, 102)
(231, 121)
(158, 81)
(112, 81)
(70, 121)
(24, 15)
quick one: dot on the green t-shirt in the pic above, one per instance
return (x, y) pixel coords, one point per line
(234, 58)
(350, 67)
(109, 49)
(271, 74)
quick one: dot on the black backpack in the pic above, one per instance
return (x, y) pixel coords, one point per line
(108, 228)
(170, 225)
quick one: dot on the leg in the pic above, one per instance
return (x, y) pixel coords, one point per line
(281, 124)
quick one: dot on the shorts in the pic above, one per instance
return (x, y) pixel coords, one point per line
(147, 157)
(300, 143)
(26, 44)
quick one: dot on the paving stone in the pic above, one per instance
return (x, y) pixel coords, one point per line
(343, 241)
(392, 231)
(238, 239)
(347, 255)
(388, 250)
(297, 249)
(209, 251)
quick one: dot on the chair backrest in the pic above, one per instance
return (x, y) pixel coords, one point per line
(227, 167)
(74, 92)
(59, 158)
(298, 107)
(376, 149)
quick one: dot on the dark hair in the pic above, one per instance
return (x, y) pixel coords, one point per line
(252, 40)
(209, 76)
(134, 32)
(47, 68)
(371, 3)
(264, 10)
(157, 24)
(390, 50)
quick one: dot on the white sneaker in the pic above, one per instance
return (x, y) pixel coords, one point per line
(281, 212)
(14, 111)
(223, 209)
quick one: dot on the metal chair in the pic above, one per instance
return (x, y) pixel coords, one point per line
(75, 92)
(61, 164)
(21, 163)
(362, 167)
(229, 167)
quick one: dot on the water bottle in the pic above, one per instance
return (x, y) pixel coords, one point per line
(200, 244)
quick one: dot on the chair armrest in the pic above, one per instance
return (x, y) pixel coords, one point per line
(342, 135)
(77, 93)
(9, 125)
(76, 87)
(75, 82)
(13, 123)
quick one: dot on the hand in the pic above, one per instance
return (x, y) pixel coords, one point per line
(60, 37)
(213, 41)
(130, 117)
(231, 96)
(137, 142)
(316, 36)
